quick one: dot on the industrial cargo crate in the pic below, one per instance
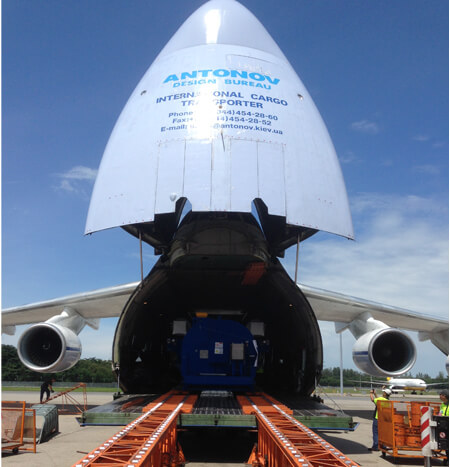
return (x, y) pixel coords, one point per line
(399, 428)
(47, 422)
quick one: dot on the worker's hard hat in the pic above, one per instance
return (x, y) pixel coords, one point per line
(388, 392)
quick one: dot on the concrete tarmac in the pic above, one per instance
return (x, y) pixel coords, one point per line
(225, 448)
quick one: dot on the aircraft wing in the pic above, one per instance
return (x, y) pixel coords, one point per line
(340, 308)
(328, 306)
(101, 303)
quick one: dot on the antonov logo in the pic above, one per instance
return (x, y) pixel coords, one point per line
(221, 73)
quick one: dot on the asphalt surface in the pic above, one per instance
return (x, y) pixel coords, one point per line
(207, 448)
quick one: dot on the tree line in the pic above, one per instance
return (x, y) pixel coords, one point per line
(87, 370)
(95, 370)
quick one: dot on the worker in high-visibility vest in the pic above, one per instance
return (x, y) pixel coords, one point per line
(443, 395)
(373, 397)
(443, 412)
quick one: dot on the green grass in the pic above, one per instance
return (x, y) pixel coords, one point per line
(326, 390)
(57, 389)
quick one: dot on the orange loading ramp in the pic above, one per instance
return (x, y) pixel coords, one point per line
(151, 440)
(284, 441)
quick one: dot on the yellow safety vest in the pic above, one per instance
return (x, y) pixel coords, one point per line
(444, 410)
(376, 407)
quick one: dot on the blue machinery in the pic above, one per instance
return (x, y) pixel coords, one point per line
(218, 353)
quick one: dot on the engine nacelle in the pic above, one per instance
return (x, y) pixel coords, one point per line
(384, 352)
(48, 347)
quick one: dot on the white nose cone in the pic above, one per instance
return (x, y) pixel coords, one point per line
(220, 118)
(224, 22)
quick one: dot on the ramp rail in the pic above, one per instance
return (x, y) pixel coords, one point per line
(150, 440)
(284, 441)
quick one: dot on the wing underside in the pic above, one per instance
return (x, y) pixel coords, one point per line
(101, 303)
(343, 309)
(327, 305)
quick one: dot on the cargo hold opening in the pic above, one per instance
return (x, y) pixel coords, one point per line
(147, 365)
(219, 265)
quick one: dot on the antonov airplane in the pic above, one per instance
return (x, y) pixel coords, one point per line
(222, 121)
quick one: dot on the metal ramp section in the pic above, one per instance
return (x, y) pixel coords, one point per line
(150, 440)
(318, 414)
(120, 411)
(284, 441)
(69, 404)
(216, 409)
(217, 402)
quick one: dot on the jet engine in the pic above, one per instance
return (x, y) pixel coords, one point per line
(48, 348)
(381, 350)
(53, 345)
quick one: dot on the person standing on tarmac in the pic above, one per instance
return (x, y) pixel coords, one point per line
(373, 397)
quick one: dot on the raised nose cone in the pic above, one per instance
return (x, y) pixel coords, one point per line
(220, 119)
(224, 22)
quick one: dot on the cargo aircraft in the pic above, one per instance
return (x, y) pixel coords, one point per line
(400, 385)
(222, 124)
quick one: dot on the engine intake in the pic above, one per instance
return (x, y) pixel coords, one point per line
(384, 352)
(48, 347)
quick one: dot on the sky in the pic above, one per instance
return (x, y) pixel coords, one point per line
(378, 73)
